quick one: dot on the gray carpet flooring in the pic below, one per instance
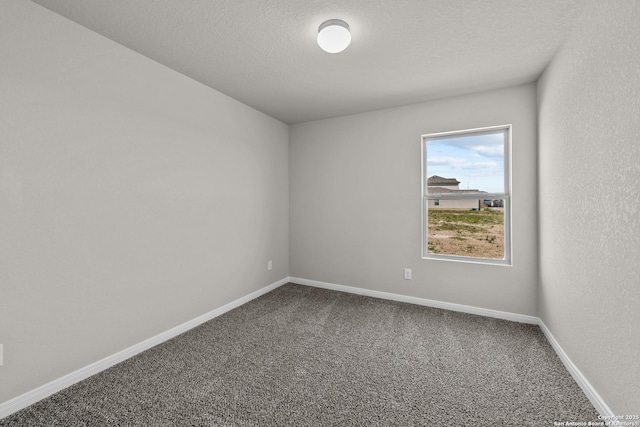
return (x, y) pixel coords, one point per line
(301, 356)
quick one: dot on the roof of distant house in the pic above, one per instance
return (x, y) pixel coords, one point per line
(438, 180)
(442, 190)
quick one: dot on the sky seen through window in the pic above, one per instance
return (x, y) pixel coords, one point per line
(477, 161)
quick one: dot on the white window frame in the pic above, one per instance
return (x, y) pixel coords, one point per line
(506, 196)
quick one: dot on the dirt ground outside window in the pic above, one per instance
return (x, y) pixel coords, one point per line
(477, 233)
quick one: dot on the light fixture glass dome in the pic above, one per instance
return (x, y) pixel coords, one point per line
(334, 36)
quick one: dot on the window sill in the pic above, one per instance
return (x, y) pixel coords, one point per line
(469, 260)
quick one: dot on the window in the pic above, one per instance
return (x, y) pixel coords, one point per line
(466, 200)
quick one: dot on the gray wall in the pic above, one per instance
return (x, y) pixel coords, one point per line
(132, 199)
(589, 167)
(355, 201)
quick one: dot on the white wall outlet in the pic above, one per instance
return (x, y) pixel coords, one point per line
(269, 265)
(1, 348)
(407, 274)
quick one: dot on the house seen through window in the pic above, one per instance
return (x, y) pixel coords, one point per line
(466, 195)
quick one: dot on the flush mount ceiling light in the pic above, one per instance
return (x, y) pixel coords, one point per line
(334, 35)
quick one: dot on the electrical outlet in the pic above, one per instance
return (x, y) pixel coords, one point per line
(407, 274)
(270, 265)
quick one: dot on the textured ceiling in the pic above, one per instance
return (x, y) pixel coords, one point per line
(264, 53)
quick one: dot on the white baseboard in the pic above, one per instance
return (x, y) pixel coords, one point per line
(420, 301)
(593, 396)
(9, 407)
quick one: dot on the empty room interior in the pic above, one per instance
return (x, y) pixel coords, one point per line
(198, 201)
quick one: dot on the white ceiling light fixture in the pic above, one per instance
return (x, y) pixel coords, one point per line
(334, 35)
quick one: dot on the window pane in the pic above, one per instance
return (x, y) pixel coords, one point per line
(466, 163)
(466, 232)
(466, 182)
